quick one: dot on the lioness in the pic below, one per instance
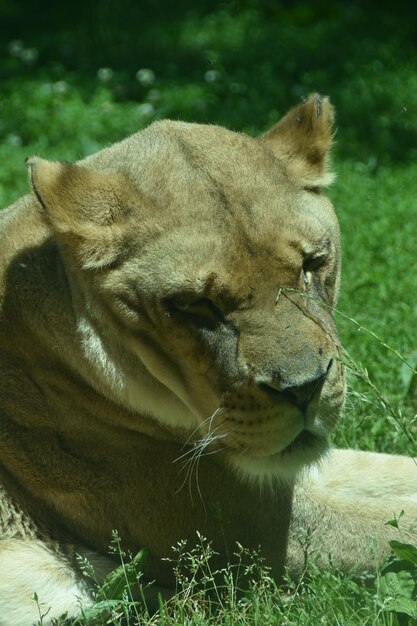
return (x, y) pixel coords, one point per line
(166, 345)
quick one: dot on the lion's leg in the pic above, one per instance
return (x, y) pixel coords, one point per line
(342, 506)
(368, 474)
(28, 566)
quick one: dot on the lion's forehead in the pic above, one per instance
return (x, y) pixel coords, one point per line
(212, 177)
(211, 201)
(175, 156)
(237, 241)
(207, 172)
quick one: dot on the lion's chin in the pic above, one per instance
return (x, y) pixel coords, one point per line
(305, 449)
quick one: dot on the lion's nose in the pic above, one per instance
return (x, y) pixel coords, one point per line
(298, 393)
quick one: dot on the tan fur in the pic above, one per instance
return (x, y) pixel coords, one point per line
(166, 365)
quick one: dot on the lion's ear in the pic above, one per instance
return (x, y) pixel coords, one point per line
(84, 208)
(303, 138)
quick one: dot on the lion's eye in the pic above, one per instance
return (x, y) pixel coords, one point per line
(202, 311)
(313, 263)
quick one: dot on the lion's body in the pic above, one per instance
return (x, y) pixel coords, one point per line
(151, 309)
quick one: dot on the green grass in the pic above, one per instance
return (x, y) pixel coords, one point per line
(379, 223)
(205, 596)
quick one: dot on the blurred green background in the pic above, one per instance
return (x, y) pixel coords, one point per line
(77, 76)
(239, 63)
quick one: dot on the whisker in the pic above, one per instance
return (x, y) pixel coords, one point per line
(204, 454)
(194, 452)
(208, 438)
(199, 446)
(197, 452)
(196, 465)
(207, 419)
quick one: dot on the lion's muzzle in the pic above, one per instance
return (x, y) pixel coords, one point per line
(299, 393)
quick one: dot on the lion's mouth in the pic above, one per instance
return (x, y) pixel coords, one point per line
(304, 439)
(306, 444)
(305, 449)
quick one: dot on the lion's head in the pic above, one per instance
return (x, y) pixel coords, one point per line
(203, 265)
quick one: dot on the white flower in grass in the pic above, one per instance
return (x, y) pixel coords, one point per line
(145, 76)
(60, 87)
(211, 76)
(145, 109)
(16, 47)
(14, 140)
(29, 56)
(105, 74)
